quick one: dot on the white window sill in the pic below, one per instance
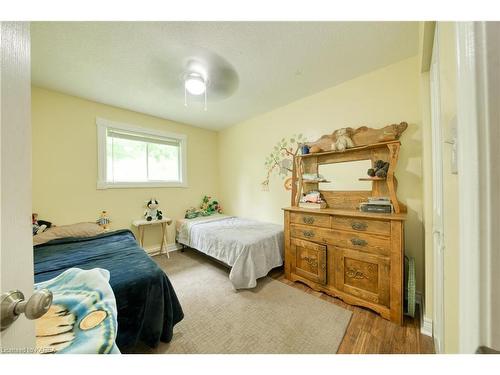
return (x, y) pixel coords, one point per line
(131, 185)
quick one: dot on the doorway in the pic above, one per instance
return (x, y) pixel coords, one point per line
(437, 204)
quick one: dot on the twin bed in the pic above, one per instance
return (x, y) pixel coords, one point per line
(147, 306)
(251, 248)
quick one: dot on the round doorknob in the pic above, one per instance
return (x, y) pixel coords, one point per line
(12, 304)
(36, 306)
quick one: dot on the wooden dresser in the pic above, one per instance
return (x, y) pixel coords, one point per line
(340, 250)
(352, 255)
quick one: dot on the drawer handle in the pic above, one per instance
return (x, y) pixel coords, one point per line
(308, 233)
(308, 219)
(358, 242)
(359, 226)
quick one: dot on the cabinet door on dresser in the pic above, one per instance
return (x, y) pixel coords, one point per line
(363, 275)
(309, 260)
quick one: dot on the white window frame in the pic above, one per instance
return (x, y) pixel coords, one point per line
(102, 128)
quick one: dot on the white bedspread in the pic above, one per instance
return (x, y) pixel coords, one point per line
(250, 247)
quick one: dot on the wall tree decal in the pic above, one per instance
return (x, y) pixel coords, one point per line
(280, 160)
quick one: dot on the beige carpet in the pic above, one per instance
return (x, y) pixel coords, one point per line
(272, 318)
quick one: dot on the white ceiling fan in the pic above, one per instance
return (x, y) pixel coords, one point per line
(207, 75)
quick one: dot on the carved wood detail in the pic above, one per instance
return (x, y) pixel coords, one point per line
(354, 273)
(363, 136)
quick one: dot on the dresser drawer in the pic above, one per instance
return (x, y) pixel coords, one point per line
(365, 242)
(361, 225)
(310, 219)
(309, 233)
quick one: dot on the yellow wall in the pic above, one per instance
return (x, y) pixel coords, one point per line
(385, 96)
(65, 165)
(447, 85)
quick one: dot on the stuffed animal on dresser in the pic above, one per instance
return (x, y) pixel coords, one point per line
(342, 140)
(380, 169)
(152, 212)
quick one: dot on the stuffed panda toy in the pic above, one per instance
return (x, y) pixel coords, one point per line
(152, 211)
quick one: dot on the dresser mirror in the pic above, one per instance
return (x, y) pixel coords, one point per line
(344, 176)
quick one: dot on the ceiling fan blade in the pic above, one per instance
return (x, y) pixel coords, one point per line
(170, 71)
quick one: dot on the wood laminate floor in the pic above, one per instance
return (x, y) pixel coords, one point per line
(368, 333)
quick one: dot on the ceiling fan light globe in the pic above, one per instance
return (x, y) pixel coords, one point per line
(195, 85)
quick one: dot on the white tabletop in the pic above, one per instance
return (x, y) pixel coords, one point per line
(138, 223)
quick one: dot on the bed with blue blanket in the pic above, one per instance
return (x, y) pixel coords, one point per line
(147, 305)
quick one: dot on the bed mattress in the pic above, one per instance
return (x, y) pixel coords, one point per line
(251, 248)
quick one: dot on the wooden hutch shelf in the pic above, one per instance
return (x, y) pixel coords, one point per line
(388, 151)
(315, 181)
(339, 250)
(372, 179)
(357, 148)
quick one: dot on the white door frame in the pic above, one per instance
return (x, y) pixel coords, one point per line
(478, 115)
(437, 199)
(16, 240)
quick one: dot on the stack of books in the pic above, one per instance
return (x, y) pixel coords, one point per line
(378, 205)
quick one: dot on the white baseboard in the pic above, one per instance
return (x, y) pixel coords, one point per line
(426, 326)
(425, 323)
(156, 250)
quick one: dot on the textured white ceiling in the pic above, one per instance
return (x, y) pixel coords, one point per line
(138, 65)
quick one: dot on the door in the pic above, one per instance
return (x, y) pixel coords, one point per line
(363, 275)
(491, 262)
(437, 200)
(16, 243)
(478, 113)
(310, 260)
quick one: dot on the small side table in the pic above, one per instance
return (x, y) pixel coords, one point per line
(141, 224)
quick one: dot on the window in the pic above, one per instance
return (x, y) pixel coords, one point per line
(130, 156)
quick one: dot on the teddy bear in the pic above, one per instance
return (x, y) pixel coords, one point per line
(342, 140)
(380, 169)
(152, 212)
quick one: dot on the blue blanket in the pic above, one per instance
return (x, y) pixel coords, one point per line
(147, 305)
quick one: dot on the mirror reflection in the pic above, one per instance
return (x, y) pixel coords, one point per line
(345, 176)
